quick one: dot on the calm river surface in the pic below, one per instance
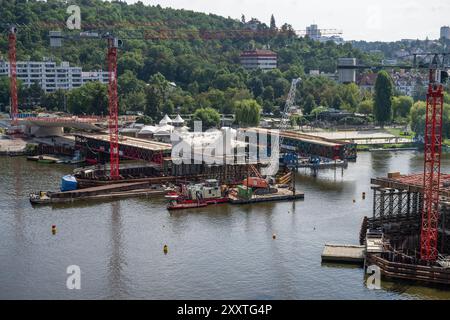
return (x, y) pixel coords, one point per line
(218, 252)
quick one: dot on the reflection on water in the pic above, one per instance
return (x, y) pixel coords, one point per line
(217, 252)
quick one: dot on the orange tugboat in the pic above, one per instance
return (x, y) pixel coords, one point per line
(197, 196)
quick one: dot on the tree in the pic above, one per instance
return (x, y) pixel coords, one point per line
(134, 101)
(273, 25)
(31, 96)
(256, 85)
(247, 113)
(90, 98)
(156, 94)
(418, 118)
(209, 117)
(401, 106)
(383, 98)
(56, 100)
(309, 104)
(4, 92)
(365, 107)
(269, 94)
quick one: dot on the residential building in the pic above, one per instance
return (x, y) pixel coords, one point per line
(51, 76)
(445, 32)
(259, 59)
(313, 32)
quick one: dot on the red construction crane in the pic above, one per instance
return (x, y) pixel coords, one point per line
(13, 74)
(432, 162)
(113, 44)
(114, 155)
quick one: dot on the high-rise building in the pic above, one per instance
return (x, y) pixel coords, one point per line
(51, 76)
(313, 32)
(445, 32)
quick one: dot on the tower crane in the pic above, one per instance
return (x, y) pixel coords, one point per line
(432, 158)
(13, 74)
(113, 44)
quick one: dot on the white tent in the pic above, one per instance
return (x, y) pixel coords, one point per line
(165, 120)
(148, 129)
(178, 120)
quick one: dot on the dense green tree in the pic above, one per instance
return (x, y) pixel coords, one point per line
(209, 117)
(56, 100)
(418, 118)
(383, 98)
(401, 106)
(269, 94)
(247, 113)
(134, 101)
(256, 86)
(309, 104)
(90, 98)
(365, 107)
(156, 95)
(4, 93)
(31, 96)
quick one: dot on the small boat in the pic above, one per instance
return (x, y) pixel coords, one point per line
(40, 198)
(186, 204)
(197, 196)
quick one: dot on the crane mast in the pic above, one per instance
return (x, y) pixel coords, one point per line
(13, 74)
(432, 164)
(113, 108)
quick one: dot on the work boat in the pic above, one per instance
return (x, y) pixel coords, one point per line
(198, 195)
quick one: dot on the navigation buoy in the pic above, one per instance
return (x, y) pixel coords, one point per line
(53, 229)
(166, 249)
(274, 236)
(363, 195)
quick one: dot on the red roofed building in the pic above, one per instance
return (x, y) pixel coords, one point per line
(259, 59)
(367, 81)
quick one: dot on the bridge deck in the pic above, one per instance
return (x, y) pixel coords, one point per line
(132, 142)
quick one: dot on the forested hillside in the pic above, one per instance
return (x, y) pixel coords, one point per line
(206, 72)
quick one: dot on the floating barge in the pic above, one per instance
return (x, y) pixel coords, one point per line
(119, 190)
(283, 194)
(343, 253)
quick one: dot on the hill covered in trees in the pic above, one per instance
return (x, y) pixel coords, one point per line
(206, 73)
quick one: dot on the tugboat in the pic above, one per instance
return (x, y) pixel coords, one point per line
(198, 196)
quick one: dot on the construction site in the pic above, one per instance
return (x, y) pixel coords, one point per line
(409, 218)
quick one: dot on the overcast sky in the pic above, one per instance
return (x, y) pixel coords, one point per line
(371, 20)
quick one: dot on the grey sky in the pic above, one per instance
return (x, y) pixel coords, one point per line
(371, 20)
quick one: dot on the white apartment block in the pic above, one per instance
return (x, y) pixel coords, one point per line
(51, 76)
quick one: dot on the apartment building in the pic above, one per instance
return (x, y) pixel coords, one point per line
(52, 76)
(259, 59)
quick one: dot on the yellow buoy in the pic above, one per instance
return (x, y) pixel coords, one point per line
(166, 249)
(53, 229)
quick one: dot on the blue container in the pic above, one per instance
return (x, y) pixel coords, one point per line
(68, 183)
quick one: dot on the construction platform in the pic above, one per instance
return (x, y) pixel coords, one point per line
(111, 191)
(343, 253)
(283, 194)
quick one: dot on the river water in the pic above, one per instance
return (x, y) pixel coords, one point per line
(218, 252)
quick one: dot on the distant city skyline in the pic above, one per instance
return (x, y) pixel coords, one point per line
(370, 20)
